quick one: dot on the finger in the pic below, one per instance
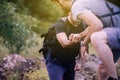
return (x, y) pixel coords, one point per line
(77, 66)
(83, 56)
(71, 36)
(75, 39)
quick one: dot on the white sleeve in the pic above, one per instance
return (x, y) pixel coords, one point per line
(79, 7)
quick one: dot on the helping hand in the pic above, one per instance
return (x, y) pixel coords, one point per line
(75, 37)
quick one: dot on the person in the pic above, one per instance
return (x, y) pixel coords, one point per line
(106, 41)
(90, 15)
(108, 48)
(60, 62)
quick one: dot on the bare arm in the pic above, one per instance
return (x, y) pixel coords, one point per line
(93, 23)
(63, 40)
(84, 33)
(78, 36)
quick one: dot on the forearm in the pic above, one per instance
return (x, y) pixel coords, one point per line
(86, 40)
(64, 40)
(84, 33)
(67, 43)
(91, 30)
(93, 23)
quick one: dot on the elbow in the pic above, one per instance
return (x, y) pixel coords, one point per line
(65, 45)
(96, 25)
(99, 26)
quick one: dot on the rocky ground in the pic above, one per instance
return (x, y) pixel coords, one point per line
(15, 67)
(89, 68)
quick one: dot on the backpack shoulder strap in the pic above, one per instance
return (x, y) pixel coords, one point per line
(111, 9)
(110, 14)
(106, 15)
(65, 20)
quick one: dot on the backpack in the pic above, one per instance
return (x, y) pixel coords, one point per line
(117, 3)
(49, 41)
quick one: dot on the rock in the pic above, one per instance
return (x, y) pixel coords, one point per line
(88, 68)
(15, 66)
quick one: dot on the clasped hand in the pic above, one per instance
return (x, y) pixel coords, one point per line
(75, 37)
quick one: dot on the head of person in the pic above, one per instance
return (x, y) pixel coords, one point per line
(65, 4)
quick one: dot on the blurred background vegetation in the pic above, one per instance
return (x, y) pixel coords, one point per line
(21, 24)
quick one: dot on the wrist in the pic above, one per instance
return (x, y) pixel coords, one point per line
(83, 44)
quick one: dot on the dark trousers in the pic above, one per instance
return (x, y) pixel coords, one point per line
(58, 70)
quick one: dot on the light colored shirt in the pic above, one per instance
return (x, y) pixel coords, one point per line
(98, 7)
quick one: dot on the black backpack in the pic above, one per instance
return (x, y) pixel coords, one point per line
(49, 41)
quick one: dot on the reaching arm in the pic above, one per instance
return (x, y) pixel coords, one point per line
(93, 23)
(84, 33)
(63, 40)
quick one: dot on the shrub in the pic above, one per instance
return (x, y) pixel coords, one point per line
(15, 28)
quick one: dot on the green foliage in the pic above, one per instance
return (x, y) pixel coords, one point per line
(44, 9)
(17, 26)
(14, 27)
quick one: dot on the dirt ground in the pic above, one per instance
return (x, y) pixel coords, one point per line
(88, 69)
(13, 63)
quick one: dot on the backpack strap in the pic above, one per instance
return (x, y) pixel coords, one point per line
(111, 10)
(106, 15)
(110, 14)
(66, 21)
